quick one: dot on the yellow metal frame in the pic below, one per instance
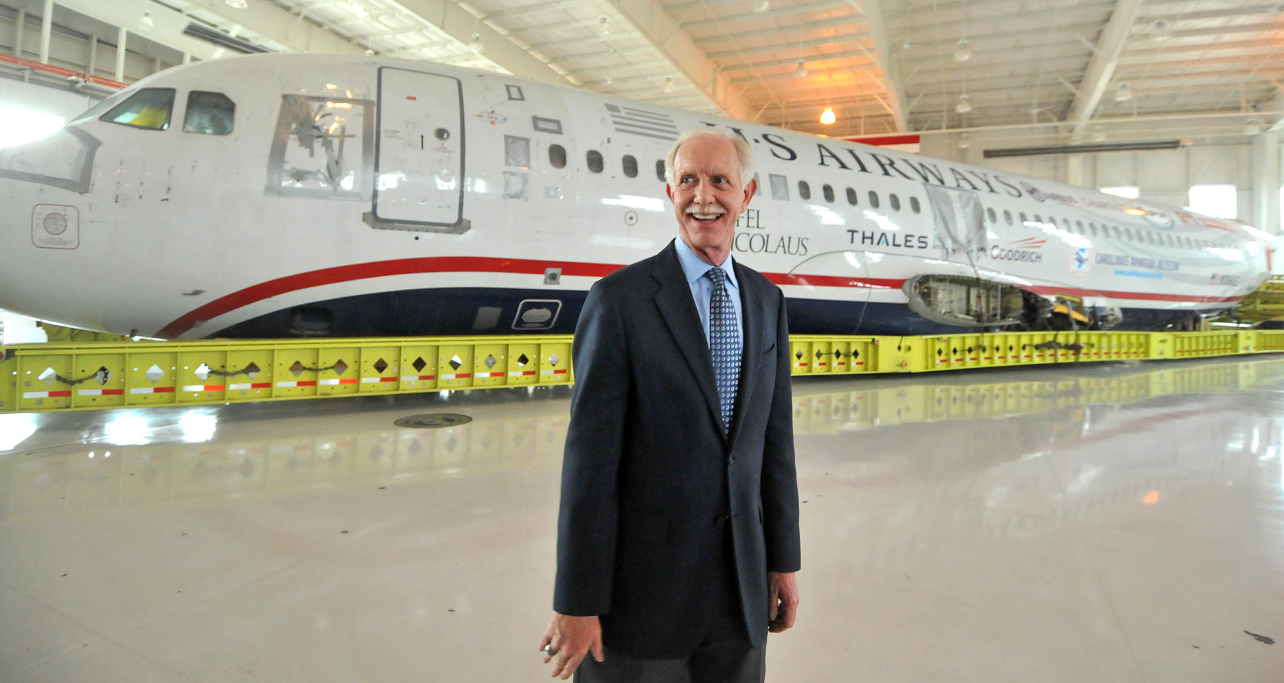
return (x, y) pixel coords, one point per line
(97, 375)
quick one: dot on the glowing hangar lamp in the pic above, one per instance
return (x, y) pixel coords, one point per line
(668, 84)
(475, 43)
(964, 52)
(1124, 93)
(827, 117)
(801, 70)
(965, 104)
(146, 23)
(238, 4)
(761, 6)
(20, 126)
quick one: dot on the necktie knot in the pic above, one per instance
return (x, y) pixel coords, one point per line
(717, 275)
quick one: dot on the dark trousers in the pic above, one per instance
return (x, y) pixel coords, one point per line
(725, 655)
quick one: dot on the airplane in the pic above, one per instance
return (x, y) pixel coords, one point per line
(288, 195)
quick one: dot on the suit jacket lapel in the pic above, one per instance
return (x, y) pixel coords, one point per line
(680, 315)
(751, 308)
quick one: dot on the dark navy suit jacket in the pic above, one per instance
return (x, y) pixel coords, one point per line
(649, 483)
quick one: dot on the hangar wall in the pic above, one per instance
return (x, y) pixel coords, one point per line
(1164, 176)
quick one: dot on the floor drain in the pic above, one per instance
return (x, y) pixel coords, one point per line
(433, 421)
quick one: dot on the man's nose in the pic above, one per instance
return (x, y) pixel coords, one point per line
(704, 193)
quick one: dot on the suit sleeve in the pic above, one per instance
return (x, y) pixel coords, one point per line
(587, 519)
(779, 475)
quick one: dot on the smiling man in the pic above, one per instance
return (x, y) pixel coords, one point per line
(678, 529)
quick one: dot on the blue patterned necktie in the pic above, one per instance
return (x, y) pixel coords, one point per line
(724, 342)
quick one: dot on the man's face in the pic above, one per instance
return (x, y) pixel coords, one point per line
(707, 193)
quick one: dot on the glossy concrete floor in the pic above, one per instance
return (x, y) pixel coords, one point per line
(1090, 523)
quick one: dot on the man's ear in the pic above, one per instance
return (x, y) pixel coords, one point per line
(668, 189)
(751, 189)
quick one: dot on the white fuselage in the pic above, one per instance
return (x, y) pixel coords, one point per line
(363, 196)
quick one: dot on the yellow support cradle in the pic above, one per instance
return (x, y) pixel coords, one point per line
(97, 375)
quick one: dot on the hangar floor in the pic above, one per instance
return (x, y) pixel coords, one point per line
(1083, 523)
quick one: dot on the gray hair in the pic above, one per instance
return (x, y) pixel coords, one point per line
(742, 150)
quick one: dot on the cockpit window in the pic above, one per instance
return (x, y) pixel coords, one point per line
(149, 108)
(101, 107)
(208, 113)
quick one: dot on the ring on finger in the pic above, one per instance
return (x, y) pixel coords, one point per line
(548, 650)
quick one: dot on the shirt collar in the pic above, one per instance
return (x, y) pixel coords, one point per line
(695, 268)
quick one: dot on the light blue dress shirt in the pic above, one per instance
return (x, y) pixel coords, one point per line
(702, 287)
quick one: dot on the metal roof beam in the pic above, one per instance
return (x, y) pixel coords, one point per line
(769, 14)
(273, 22)
(1102, 65)
(458, 23)
(650, 18)
(535, 9)
(890, 75)
(782, 31)
(811, 42)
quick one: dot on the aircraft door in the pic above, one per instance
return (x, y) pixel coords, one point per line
(419, 157)
(959, 219)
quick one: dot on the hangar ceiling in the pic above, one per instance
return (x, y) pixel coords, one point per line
(1080, 70)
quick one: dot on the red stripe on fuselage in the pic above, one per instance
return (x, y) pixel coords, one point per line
(482, 264)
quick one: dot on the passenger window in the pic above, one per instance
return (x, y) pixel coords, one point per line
(828, 192)
(895, 202)
(630, 166)
(1093, 228)
(873, 199)
(1128, 234)
(779, 187)
(1025, 221)
(914, 205)
(993, 218)
(208, 113)
(659, 170)
(851, 196)
(595, 161)
(557, 156)
(1150, 237)
(1007, 216)
(149, 108)
(804, 190)
(1079, 225)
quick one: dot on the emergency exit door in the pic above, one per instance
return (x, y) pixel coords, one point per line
(419, 156)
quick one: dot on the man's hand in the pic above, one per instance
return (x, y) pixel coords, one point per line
(571, 638)
(782, 608)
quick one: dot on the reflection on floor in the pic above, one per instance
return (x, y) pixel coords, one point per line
(1085, 523)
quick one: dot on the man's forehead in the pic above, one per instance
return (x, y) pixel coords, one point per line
(707, 153)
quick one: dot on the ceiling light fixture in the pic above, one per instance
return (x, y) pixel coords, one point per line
(146, 23)
(828, 117)
(801, 70)
(1161, 29)
(602, 26)
(238, 4)
(964, 52)
(1098, 134)
(761, 6)
(475, 43)
(668, 84)
(965, 104)
(1254, 126)
(963, 142)
(1124, 93)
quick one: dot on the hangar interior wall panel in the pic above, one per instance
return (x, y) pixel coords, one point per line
(72, 51)
(43, 99)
